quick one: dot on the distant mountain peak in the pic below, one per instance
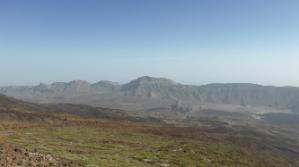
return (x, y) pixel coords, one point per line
(58, 83)
(148, 79)
(79, 82)
(106, 82)
(147, 87)
(105, 86)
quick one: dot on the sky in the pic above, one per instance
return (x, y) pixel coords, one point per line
(189, 41)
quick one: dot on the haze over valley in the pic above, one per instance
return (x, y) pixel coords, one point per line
(164, 95)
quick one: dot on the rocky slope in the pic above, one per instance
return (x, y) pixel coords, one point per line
(13, 156)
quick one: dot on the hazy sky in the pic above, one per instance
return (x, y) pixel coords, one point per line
(190, 41)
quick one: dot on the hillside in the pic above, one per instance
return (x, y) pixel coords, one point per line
(79, 135)
(17, 111)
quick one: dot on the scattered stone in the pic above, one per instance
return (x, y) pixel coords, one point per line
(13, 156)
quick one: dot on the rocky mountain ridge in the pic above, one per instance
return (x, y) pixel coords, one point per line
(148, 92)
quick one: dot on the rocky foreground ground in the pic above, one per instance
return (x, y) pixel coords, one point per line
(13, 156)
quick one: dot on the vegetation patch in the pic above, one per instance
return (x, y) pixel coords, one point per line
(111, 146)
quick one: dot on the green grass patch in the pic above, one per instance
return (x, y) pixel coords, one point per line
(112, 147)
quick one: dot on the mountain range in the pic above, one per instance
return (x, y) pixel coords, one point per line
(243, 124)
(158, 95)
